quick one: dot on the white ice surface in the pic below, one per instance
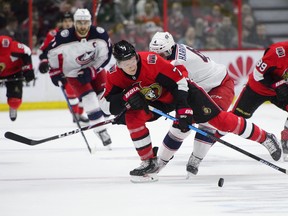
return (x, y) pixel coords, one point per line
(61, 178)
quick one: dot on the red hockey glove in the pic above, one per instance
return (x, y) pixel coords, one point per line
(44, 66)
(135, 99)
(281, 89)
(86, 75)
(56, 76)
(185, 117)
(28, 72)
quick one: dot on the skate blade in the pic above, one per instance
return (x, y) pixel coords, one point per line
(190, 175)
(144, 179)
(285, 157)
(109, 147)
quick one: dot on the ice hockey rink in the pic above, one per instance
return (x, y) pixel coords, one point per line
(61, 178)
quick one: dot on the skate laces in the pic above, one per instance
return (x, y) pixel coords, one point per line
(104, 135)
(270, 143)
(194, 161)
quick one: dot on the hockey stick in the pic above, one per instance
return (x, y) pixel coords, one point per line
(76, 120)
(30, 142)
(13, 79)
(210, 136)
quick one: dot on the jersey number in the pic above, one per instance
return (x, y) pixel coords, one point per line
(261, 65)
(203, 57)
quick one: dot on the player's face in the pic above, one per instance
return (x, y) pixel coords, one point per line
(82, 27)
(67, 23)
(129, 66)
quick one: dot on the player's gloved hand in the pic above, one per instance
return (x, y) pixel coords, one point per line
(185, 117)
(86, 75)
(28, 72)
(134, 99)
(44, 66)
(56, 76)
(281, 89)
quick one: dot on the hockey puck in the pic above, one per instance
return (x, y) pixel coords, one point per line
(220, 182)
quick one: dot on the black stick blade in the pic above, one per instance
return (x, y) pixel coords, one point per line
(21, 139)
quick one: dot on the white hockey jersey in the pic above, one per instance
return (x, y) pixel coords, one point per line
(201, 69)
(69, 53)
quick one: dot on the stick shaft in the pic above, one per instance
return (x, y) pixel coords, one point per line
(74, 116)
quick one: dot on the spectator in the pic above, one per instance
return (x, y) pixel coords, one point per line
(212, 42)
(200, 27)
(214, 18)
(149, 15)
(248, 34)
(261, 37)
(140, 7)
(124, 11)
(178, 23)
(226, 32)
(190, 39)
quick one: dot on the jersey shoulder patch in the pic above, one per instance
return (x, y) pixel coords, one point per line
(151, 59)
(64, 33)
(112, 69)
(100, 30)
(280, 51)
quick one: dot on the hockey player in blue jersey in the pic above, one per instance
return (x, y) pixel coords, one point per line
(78, 56)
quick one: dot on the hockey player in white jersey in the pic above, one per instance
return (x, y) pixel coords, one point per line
(79, 55)
(209, 75)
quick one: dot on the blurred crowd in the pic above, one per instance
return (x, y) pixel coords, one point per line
(202, 24)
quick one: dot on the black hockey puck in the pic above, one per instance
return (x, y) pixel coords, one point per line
(220, 182)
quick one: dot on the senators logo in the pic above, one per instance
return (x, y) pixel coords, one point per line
(285, 74)
(206, 110)
(152, 92)
(2, 67)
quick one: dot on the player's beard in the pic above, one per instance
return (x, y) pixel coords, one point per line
(82, 31)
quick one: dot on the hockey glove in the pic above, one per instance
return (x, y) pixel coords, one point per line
(185, 117)
(56, 76)
(134, 99)
(281, 89)
(44, 66)
(86, 75)
(28, 72)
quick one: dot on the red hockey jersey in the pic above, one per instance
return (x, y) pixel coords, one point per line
(271, 68)
(11, 61)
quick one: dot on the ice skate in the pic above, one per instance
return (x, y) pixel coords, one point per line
(12, 114)
(192, 165)
(146, 172)
(81, 118)
(284, 143)
(105, 138)
(273, 146)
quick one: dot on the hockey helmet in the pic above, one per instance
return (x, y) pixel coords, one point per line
(66, 15)
(123, 50)
(162, 42)
(82, 14)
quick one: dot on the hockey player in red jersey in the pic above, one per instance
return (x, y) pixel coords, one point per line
(65, 22)
(78, 55)
(15, 63)
(268, 82)
(145, 78)
(206, 73)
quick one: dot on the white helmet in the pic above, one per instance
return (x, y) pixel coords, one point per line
(162, 42)
(82, 14)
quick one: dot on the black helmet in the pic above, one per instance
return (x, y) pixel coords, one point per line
(66, 15)
(123, 50)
